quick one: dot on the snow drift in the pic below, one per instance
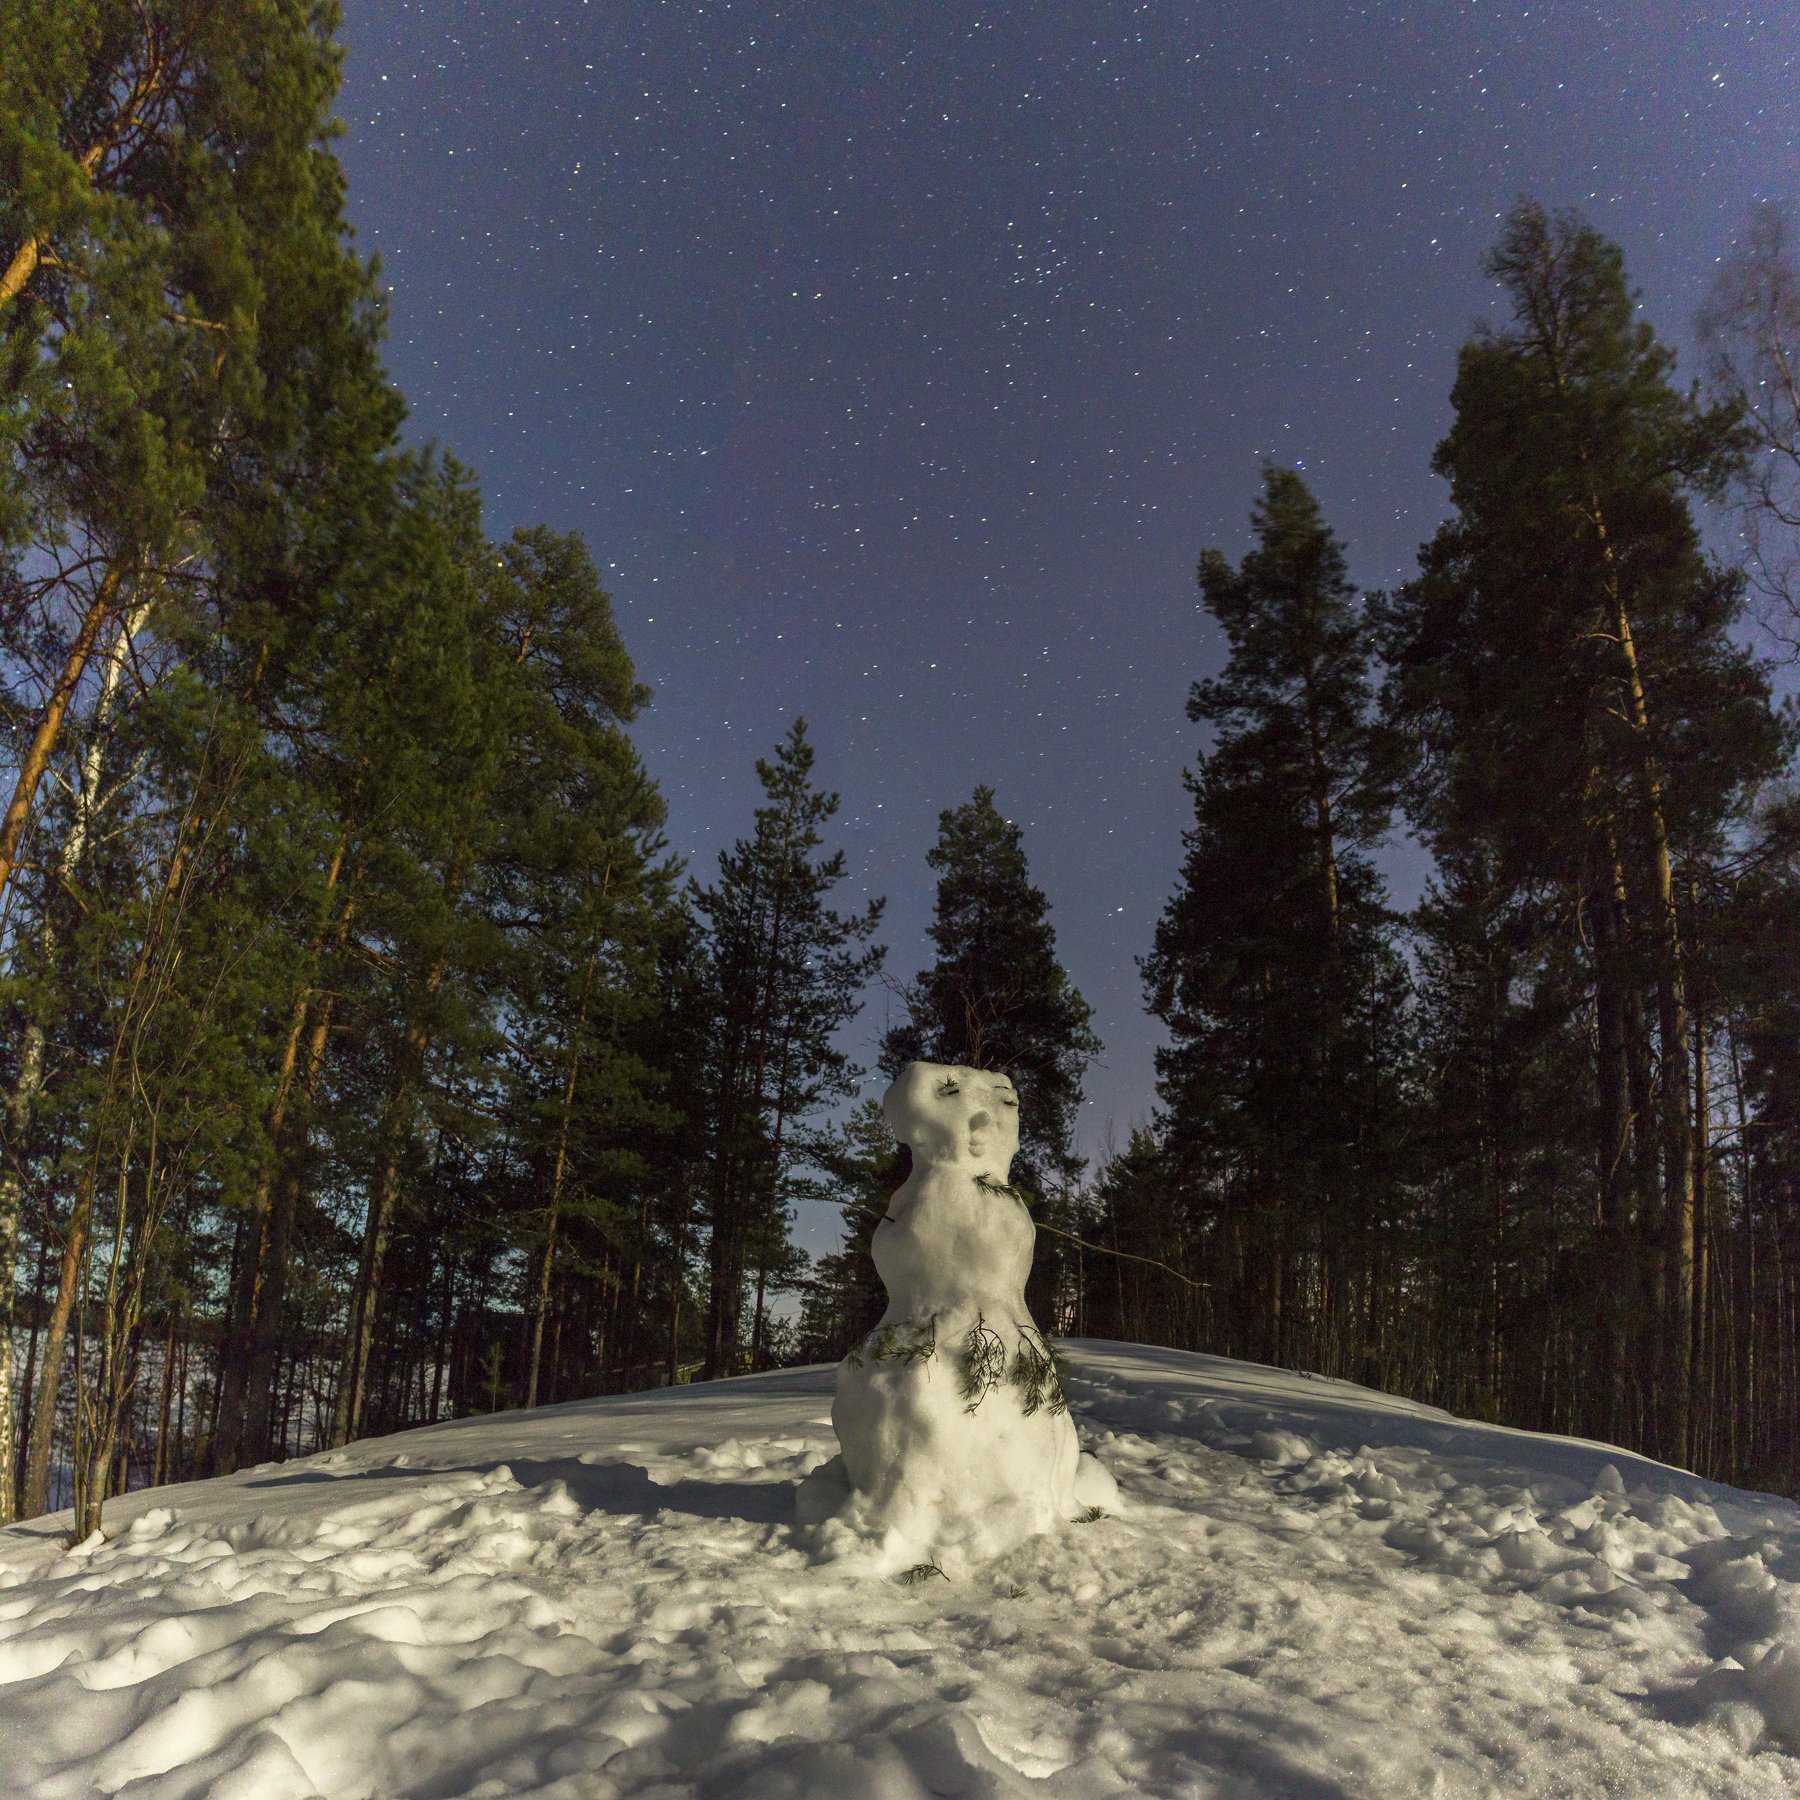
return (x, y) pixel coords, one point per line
(1314, 1591)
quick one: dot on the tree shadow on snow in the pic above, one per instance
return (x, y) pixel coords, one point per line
(621, 1488)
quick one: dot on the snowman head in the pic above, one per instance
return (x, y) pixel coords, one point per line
(946, 1113)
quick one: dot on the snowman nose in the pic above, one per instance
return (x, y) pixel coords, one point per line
(980, 1122)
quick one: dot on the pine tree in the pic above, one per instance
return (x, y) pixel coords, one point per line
(579, 877)
(860, 1168)
(1586, 728)
(160, 163)
(462, 640)
(786, 973)
(996, 997)
(182, 327)
(1273, 967)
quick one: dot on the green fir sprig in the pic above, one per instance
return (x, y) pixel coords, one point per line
(983, 1363)
(904, 1344)
(1037, 1375)
(1011, 1189)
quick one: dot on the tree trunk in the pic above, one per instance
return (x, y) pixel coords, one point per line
(56, 1334)
(29, 1082)
(724, 1265)
(159, 1472)
(20, 1105)
(677, 1280)
(1673, 1090)
(28, 1383)
(558, 1171)
(271, 1308)
(1672, 1015)
(765, 1237)
(246, 1288)
(49, 727)
(1613, 1154)
(259, 1264)
(352, 1395)
(1699, 1421)
(756, 1326)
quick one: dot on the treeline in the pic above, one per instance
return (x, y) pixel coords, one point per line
(1531, 1151)
(366, 1059)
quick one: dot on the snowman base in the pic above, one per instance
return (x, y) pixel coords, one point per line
(956, 1446)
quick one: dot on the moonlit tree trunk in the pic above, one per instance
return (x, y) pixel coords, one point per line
(266, 1329)
(378, 1229)
(89, 802)
(42, 747)
(558, 1172)
(262, 1254)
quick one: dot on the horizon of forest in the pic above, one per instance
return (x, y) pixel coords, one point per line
(368, 1059)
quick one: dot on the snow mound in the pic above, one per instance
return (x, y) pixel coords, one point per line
(1314, 1590)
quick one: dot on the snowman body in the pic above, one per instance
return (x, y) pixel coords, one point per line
(955, 1439)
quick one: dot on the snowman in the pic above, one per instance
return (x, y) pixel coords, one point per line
(955, 1438)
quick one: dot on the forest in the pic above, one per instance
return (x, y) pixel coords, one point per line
(366, 1058)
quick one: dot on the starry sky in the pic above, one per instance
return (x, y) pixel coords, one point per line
(896, 361)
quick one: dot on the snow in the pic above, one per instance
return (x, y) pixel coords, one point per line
(955, 1433)
(1313, 1591)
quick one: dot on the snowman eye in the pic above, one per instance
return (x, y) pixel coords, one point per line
(947, 1088)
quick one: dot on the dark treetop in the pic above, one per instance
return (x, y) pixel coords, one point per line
(897, 360)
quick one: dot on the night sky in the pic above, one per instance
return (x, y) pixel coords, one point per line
(897, 361)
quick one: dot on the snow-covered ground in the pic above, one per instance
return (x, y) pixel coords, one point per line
(1316, 1591)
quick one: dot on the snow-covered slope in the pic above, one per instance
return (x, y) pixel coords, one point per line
(1317, 1591)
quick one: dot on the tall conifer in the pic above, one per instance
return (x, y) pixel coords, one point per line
(1584, 722)
(787, 971)
(996, 996)
(1273, 966)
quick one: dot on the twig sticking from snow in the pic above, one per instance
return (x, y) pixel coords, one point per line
(919, 1574)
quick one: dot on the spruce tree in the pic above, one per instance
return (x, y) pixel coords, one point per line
(1749, 1359)
(1148, 1252)
(786, 973)
(996, 997)
(1273, 967)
